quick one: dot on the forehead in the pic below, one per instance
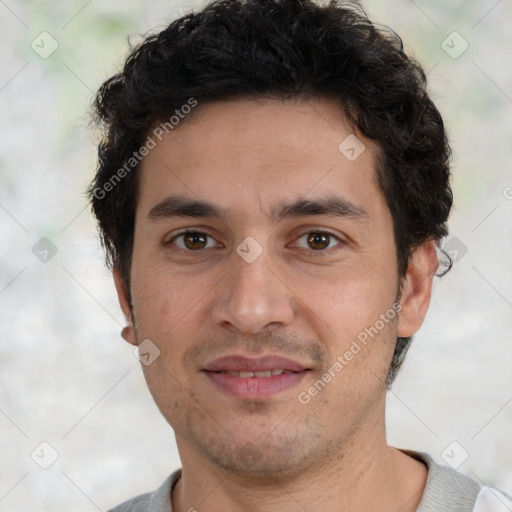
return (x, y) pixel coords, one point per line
(249, 155)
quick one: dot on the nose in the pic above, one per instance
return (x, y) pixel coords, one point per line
(253, 297)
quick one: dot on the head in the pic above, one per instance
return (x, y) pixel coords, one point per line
(250, 123)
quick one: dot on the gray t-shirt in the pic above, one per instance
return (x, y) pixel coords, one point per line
(446, 491)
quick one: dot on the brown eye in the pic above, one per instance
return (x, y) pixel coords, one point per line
(318, 241)
(195, 241)
(192, 240)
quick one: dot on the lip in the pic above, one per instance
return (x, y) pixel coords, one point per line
(255, 388)
(256, 364)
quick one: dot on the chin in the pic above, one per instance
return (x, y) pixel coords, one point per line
(260, 456)
(258, 462)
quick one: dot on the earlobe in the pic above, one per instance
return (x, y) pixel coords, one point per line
(417, 288)
(128, 332)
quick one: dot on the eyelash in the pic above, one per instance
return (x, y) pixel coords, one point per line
(312, 232)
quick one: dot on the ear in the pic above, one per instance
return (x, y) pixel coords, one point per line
(417, 288)
(128, 332)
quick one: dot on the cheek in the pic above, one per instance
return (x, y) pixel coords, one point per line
(167, 303)
(348, 300)
(347, 317)
(166, 306)
(156, 300)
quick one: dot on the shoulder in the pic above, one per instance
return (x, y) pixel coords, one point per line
(137, 504)
(156, 501)
(447, 489)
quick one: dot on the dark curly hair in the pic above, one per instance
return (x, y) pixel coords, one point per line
(278, 49)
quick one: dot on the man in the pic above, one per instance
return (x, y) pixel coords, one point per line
(273, 185)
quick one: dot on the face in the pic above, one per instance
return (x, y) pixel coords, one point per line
(264, 271)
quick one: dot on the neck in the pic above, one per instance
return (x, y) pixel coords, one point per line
(364, 474)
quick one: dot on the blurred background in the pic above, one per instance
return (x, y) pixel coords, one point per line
(79, 430)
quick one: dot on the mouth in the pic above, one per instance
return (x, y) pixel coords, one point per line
(254, 378)
(249, 375)
(241, 363)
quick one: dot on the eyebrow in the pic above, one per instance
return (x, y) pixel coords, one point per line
(181, 206)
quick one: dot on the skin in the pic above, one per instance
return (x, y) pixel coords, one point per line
(304, 303)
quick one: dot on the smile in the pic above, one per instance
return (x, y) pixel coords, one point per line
(257, 385)
(266, 373)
